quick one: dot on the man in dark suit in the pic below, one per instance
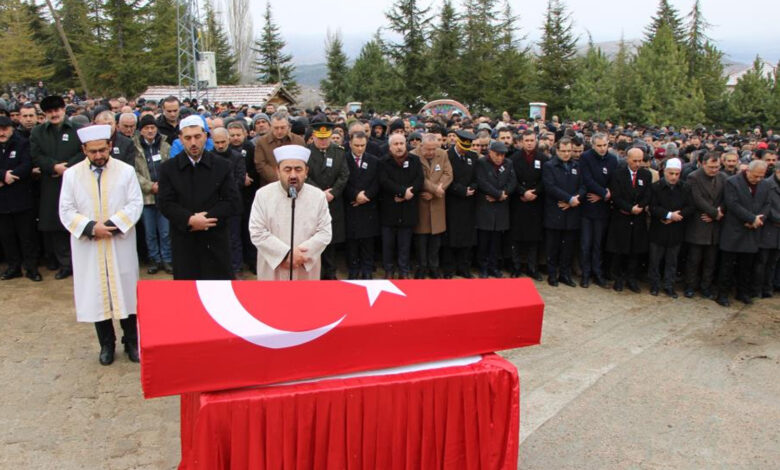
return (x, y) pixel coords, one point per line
(460, 207)
(526, 205)
(496, 180)
(562, 212)
(702, 232)
(328, 171)
(769, 243)
(122, 147)
(401, 180)
(627, 233)
(740, 234)
(669, 207)
(361, 212)
(198, 195)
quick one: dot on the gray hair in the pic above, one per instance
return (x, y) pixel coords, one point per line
(396, 136)
(219, 130)
(598, 136)
(430, 137)
(280, 116)
(105, 116)
(128, 116)
(672, 150)
(757, 165)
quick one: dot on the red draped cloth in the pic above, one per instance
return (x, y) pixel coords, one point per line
(462, 417)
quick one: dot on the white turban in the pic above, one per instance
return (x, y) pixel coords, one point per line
(192, 120)
(95, 132)
(292, 152)
(674, 164)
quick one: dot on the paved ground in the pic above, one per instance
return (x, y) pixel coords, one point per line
(620, 381)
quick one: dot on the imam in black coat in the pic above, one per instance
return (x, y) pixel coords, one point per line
(186, 190)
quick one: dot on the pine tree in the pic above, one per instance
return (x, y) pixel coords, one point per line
(446, 46)
(593, 92)
(661, 89)
(371, 78)
(774, 110)
(23, 59)
(335, 85)
(512, 85)
(214, 39)
(162, 43)
(73, 15)
(411, 21)
(555, 64)
(477, 64)
(622, 70)
(272, 65)
(751, 100)
(705, 65)
(669, 16)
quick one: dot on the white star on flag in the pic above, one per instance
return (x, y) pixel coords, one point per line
(376, 287)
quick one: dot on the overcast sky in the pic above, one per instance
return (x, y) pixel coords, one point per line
(742, 28)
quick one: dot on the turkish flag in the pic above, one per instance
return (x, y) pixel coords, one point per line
(199, 336)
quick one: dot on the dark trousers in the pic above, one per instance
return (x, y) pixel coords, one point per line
(764, 272)
(488, 249)
(236, 255)
(106, 335)
(396, 247)
(700, 267)
(427, 247)
(591, 241)
(329, 262)
(625, 266)
(559, 245)
(667, 255)
(248, 248)
(18, 239)
(531, 252)
(739, 264)
(360, 258)
(455, 259)
(59, 243)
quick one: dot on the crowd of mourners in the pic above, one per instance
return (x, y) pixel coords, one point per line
(437, 196)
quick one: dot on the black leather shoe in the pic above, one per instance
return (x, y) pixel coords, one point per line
(131, 348)
(567, 281)
(106, 354)
(707, 294)
(535, 275)
(34, 275)
(766, 295)
(63, 273)
(483, 274)
(669, 291)
(689, 293)
(153, 268)
(600, 281)
(634, 287)
(745, 299)
(653, 290)
(585, 282)
(618, 286)
(11, 274)
(552, 281)
(723, 301)
(515, 273)
(169, 269)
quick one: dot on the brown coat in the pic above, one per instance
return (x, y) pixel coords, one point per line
(431, 214)
(265, 162)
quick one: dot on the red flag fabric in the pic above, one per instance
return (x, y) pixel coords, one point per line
(459, 418)
(217, 335)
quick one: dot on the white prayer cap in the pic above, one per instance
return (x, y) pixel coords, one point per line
(192, 120)
(674, 164)
(95, 132)
(292, 152)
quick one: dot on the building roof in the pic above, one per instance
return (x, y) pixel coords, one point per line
(735, 71)
(237, 94)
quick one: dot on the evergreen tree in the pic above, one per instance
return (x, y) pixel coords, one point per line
(593, 92)
(662, 92)
(512, 84)
(162, 43)
(411, 21)
(477, 64)
(705, 65)
(272, 65)
(371, 78)
(751, 100)
(556, 63)
(74, 18)
(214, 39)
(621, 77)
(669, 16)
(445, 51)
(774, 110)
(335, 86)
(23, 59)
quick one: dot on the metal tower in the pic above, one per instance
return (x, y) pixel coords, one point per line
(188, 22)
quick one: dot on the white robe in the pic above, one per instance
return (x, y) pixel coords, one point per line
(105, 272)
(269, 229)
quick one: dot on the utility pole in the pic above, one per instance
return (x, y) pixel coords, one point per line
(187, 22)
(68, 49)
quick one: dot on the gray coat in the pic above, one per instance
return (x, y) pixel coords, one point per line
(741, 208)
(706, 197)
(770, 233)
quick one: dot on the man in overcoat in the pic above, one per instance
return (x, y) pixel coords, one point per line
(362, 207)
(460, 208)
(526, 205)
